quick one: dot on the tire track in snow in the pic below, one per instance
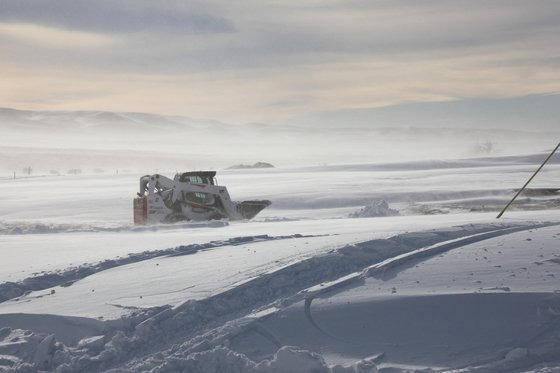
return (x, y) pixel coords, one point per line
(10, 290)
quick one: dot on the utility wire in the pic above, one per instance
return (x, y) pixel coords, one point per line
(528, 181)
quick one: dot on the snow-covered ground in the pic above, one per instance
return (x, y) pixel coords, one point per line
(355, 268)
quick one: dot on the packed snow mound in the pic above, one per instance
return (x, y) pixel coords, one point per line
(38, 352)
(375, 209)
(30, 348)
(288, 359)
(249, 166)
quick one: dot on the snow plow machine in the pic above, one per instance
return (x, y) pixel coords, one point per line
(194, 196)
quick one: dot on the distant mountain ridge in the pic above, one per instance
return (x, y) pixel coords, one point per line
(528, 113)
(97, 119)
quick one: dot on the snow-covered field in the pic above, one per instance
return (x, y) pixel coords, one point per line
(355, 268)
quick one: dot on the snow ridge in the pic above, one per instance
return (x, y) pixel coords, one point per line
(10, 290)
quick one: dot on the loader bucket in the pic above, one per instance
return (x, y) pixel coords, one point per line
(248, 209)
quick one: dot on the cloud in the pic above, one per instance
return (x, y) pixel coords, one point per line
(115, 16)
(259, 60)
(52, 37)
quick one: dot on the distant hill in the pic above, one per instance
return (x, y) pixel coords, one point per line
(528, 113)
(98, 120)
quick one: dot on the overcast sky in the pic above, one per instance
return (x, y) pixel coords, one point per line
(257, 60)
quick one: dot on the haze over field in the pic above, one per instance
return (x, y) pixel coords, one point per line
(227, 83)
(94, 140)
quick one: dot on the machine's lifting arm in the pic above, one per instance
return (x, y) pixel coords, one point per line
(151, 182)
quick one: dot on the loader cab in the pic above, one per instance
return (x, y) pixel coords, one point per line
(198, 177)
